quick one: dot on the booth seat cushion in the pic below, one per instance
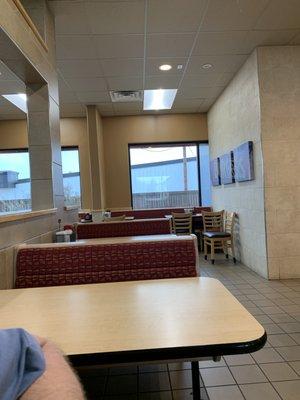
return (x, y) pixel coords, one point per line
(81, 264)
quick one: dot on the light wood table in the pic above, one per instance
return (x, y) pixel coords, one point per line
(136, 322)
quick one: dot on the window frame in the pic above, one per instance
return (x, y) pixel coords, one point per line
(70, 148)
(167, 144)
(26, 150)
(12, 151)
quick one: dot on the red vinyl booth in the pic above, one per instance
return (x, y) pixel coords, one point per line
(123, 228)
(96, 262)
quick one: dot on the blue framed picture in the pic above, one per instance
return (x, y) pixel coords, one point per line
(215, 172)
(243, 162)
(227, 168)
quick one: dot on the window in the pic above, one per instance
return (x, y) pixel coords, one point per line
(15, 188)
(168, 175)
(71, 176)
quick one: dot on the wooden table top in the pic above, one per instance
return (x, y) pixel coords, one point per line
(193, 215)
(113, 240)
(130, 220)
(117, 318)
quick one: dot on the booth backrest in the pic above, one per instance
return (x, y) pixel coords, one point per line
(156, 212)
(96, 262)
(123, 228)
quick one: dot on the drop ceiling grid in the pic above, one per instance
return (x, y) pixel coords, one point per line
(111, 45)
(230, 48)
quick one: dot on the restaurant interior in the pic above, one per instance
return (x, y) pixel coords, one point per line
(150, 194)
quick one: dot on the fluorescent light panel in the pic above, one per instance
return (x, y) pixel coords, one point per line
(19, 100)
(159, 99)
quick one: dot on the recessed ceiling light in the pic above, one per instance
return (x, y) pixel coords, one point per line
(159, 99)
(165, 67)
(206, 66)
(179, 66)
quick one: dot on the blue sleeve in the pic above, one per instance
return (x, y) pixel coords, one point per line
(21, 362)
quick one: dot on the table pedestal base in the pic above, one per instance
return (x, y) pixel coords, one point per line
(196, 380)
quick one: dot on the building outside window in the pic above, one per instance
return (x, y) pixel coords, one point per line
(15, 188)
(71, 176)
(15, 185)
(171, 175)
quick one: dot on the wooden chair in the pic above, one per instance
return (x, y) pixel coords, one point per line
(218, 233)
(113, 219)
(182, 223)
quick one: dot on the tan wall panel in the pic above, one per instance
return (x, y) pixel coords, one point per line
(119, 131)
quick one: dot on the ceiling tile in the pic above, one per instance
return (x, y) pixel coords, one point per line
(125, 83)
(207, 103)
(70, 20)
(93, 97)
(169, 45)
(162, 82)
(130, 106)
(122, 66)
(107, 113)
(225, 78)
(231, 42)
(75, 47)
(105, 107)
(268, 38)
(183, 103)
(190, 110)
(116, 17)
(232, 14)
(119, 46)
(200, 93)
(87, 84)
(67, 97)
(280, 15)
(174, 15)
(221, 63)
(203, 79)
(79, 68)
(152, 65)
(68, 110)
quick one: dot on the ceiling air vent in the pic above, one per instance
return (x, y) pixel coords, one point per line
(122, 96)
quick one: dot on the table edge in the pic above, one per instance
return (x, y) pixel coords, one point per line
(163, 354)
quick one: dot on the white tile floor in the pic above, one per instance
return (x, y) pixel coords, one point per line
(272, 373)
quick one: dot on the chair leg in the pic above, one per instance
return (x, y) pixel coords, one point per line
(212, 251)
(205, 250)
(225, 249)
(232, 250)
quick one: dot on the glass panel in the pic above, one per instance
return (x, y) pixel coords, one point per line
(15, 188)
(71, 177)
(205, 175)
(164, 176)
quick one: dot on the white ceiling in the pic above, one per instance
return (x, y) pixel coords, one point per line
(107, 45)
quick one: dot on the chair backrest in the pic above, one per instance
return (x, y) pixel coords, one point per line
(229, 220)
(182, 222)
(213, 221)
(112, 219)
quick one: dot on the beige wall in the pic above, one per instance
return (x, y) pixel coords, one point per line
(279, 80)
(234, 119)
(73, 131)
(120, 131)
(39, 228)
